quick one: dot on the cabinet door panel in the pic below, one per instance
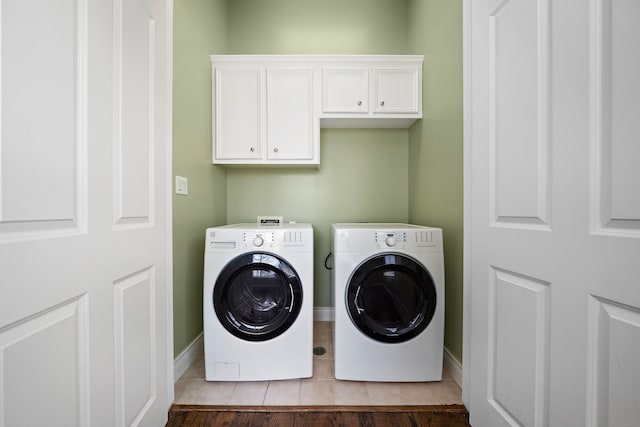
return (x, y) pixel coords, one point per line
(290, 113)
(237, 113)
(396, 90)
(345, 90)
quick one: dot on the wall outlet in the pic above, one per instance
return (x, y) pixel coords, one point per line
(182, 185)
(270, 220)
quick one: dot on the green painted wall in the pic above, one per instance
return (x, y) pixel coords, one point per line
(435, 144)
(363, 174)
(385, 175)
(363, 177)
(317, 26)
(200, 28)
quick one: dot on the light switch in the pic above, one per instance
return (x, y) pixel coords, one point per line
(182, 185)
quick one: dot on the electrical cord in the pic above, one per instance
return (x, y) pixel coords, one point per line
(326, 260)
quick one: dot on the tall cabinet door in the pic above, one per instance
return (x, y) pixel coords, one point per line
(552, 212)
(238, 113)
(290, 124)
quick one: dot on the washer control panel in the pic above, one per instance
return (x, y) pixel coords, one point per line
(274, 239)
(248, 237)
(391, 239)
(258, 239)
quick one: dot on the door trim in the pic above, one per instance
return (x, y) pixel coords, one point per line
(466, 160)
(168, 142)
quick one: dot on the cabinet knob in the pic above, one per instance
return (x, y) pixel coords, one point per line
(275, 150)
(253, 149)
(359, 102)
(382, 103)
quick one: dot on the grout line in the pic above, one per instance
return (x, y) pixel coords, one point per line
(266, 390)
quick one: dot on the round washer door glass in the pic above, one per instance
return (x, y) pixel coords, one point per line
(257, 296)
(391, 298)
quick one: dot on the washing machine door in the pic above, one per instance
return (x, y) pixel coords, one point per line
(257, 296)
(391, 298)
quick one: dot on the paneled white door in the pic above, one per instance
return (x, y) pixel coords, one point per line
(552, 212)
(84, 219)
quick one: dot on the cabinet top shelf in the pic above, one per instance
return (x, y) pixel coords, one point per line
(321, 59)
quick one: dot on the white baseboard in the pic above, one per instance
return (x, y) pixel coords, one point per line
(453, 367)
(189, 355)
(323, 314)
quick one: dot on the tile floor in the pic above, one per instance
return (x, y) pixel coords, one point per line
(321, 389)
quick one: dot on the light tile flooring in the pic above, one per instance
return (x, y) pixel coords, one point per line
(321, 389)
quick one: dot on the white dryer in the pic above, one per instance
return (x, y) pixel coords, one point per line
(258, 302)
(388, 290)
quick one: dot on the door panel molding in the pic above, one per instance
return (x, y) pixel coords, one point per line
(43, 188)
(613, 372)
(44, 360)
(519, 115)
(135, 358)
(615, 202)
(134, 116)
(518, 370)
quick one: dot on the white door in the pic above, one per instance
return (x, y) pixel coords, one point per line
(84, 224)
(552, 290)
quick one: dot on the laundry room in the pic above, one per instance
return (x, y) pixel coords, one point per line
(390, 175)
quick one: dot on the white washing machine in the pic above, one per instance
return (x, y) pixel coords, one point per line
(258, 302)
(388, 291)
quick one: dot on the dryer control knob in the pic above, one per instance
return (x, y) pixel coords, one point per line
(258, 241)
(391, 241)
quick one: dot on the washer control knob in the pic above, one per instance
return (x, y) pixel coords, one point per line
(258, 241)
(390, 241)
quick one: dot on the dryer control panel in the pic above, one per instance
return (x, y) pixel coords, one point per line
(365, 237)
(400, 239)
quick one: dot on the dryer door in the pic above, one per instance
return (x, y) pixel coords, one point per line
(391, 297)
(257, 296)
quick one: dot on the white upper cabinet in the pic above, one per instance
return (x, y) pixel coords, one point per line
(371, 91)
(290, 121)
(268, 109)
(238, 114)
(263, 111)
(345, 90)
(396, 90)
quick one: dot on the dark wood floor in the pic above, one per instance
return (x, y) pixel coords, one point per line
(316, 416)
